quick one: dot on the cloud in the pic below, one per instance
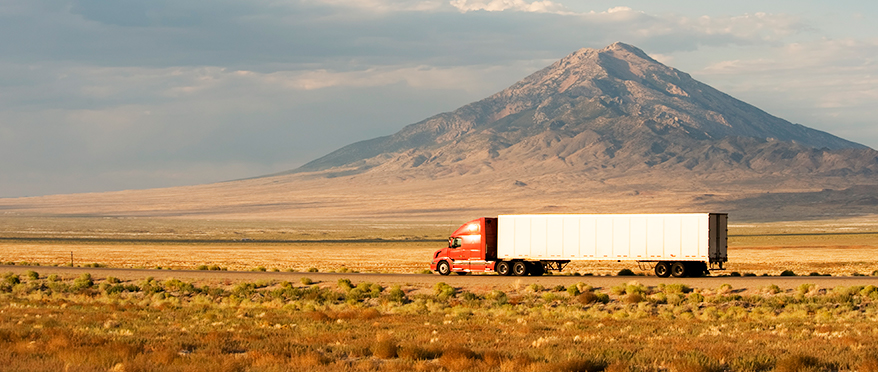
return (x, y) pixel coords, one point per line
(544, 6)
(826, 84)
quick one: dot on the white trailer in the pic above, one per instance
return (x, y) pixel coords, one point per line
(682, 244)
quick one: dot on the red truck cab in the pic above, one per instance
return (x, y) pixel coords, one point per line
(471, 248)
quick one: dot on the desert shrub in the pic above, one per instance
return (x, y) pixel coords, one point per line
(734, 273)
(385, 348)
(345, 284)
(457, 358)
(772, 289)
(797, 363)
(696, 298)
(32, 275)
(444, 291)
(497, 298)
(415, 352)
(633, 298)
(573, 290)
(176, 285)
(659, 298)
(306, 281)
(559, 288)
(396, 294)
(625, 272)
(202, 267)
(676, 288)
(259, 268)
(53, 278)
(313, 270)
(11, 279)
(578, 365)
(113, 280)
(535, 288)
(591, 297)
(787, 273)
(84, 281)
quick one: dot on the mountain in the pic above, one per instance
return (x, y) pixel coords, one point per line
(599, 131)
(615, 107)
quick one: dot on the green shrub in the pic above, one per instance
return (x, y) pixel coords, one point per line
(573, 290)
(306, 281)
(113, 280)
(444, 291)
(32, 275)
(84, 281)
(625, 272)
(202, 267)
(396, 294)
(787, 273)
(345, 284)
(53, 278)
(696, 298)
(312, 270)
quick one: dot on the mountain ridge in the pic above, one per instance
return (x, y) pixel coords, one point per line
(619, 81)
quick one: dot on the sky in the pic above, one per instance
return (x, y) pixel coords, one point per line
(103, 95)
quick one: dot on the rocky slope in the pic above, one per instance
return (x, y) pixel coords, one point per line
(613, 108)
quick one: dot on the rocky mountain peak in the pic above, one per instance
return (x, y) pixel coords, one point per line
(603, 102)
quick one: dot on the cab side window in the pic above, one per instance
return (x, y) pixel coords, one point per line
(456, 243)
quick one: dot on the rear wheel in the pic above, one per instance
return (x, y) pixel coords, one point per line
(678, 270)
(519, 268)
(504, 268)
(662, 270)
(443, 268)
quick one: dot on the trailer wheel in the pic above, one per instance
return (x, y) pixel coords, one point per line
(443, 268)
(662, 269)
(678, 270)
(519, 268)
(504, 268)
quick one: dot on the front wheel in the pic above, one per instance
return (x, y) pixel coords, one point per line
(504, 268)
(662, 270)
(443, 268)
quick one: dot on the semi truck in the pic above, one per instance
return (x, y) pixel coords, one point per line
(680, 244)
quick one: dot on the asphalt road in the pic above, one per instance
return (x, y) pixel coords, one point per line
(474, 282)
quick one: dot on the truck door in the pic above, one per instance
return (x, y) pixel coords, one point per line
(458, 254)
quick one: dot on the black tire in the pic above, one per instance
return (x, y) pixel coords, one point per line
(461, 273)
(519, 268)
(536, 269)
(662, 269)
(504, 268)
(443, 268)
(679, 270)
